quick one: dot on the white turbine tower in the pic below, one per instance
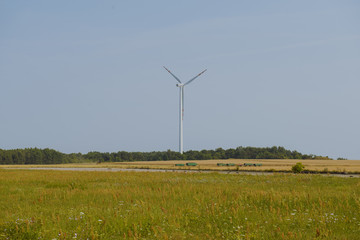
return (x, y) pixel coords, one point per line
(181, 105)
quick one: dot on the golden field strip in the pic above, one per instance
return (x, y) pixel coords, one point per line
(267, 164)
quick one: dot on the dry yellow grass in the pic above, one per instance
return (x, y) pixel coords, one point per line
(267, 164)
(277, 164)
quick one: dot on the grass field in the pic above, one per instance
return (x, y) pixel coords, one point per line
(268, 164)
(129, 205)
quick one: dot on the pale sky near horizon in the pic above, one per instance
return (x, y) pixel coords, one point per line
(80, 76)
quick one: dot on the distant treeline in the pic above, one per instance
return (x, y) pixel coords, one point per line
(50, 156)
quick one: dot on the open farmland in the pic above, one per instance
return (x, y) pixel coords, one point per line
(106, 205)
(267, 164)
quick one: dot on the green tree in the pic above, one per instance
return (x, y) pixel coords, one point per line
(298, 168)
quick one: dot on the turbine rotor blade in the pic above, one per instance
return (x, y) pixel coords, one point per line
(173, 75)
(194, 78)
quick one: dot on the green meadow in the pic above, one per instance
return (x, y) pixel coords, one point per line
(130, 205)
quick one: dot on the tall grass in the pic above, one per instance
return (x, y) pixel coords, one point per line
(129, 205)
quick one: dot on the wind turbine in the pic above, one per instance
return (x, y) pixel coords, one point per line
(181, 105)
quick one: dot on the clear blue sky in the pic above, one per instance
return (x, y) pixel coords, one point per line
(81, 76)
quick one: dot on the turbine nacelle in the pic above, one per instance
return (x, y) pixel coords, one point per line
(179, 85)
